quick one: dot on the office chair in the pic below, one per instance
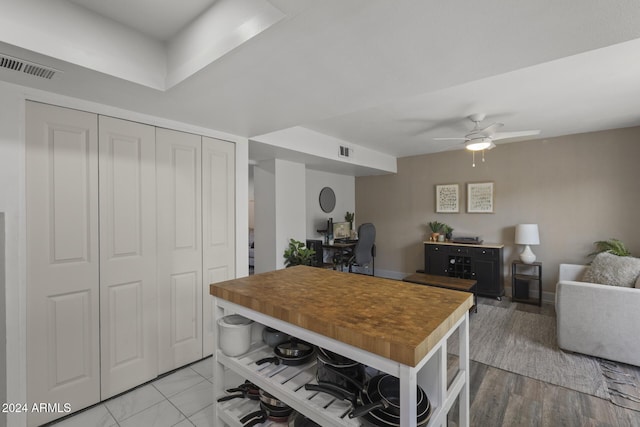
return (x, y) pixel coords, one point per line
(364, 252)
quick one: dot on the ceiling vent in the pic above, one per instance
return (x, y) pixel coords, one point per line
(21, 65)
(345, 151)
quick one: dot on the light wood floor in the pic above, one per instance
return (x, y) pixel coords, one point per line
(502, 398)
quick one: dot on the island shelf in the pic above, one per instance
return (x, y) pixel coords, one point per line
(395, 327)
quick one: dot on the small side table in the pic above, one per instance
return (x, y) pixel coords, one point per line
(522, 275)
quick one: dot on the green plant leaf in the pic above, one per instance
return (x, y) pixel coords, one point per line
(298, 254)
(436, 226)
(613, 246)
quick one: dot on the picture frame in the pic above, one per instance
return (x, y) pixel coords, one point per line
(480, 197)
(447, 198)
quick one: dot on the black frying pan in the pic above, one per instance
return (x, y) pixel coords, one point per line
(246, 390)
(378, 401)
(266, 412)
(294, 348)
(302, 357)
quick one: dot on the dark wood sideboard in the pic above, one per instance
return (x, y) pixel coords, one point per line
(481, 262)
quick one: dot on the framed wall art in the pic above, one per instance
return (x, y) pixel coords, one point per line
(480, 197)
(448, 198)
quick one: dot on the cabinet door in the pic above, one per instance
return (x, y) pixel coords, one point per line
(128, 310)
(178, 172)
(218, 224)
(63, 354)
(486, 273)
(437, 261)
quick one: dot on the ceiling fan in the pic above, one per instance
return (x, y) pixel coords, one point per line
(480, 139)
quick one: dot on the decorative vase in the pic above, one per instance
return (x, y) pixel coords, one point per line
(434, 237)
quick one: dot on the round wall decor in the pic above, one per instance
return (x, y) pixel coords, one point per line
(327, 199)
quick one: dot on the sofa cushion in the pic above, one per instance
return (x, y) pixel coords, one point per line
(610, 269)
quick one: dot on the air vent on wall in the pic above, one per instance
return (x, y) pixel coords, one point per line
(28, 67)
(345, 151)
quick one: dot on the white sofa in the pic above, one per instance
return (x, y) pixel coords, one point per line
(598, 320)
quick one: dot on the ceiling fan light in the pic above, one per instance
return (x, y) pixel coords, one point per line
(479, 144)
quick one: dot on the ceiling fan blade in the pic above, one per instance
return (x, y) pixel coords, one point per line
(450, 139)
(508, 135)
(489, 130)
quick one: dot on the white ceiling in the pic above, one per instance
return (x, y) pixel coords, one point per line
(386, 75)
(159, 20)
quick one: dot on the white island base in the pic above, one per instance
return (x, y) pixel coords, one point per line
(287, 382)
(395, 327)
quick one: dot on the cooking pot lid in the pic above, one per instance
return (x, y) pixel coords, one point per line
(236, 320)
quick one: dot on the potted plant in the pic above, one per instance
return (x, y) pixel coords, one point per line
(448, 231)
(435, 227)
(298, 254)
(349, 216)
(613, 246)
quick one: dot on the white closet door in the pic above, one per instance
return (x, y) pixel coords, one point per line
(63, 352)
(128, 301)
(178, 172)
(218, 224)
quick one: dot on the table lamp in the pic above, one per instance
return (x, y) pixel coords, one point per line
(527, 234)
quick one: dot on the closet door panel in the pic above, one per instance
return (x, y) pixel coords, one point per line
(179, 179)
(218, 225)
(126, 324)
(184, 311)
(62, 258)
(128, 307)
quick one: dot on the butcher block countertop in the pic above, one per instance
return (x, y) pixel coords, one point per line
(397, 320)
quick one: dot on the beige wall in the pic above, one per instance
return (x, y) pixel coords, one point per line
(578, 188)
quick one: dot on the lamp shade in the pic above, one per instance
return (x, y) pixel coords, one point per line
(527, 234)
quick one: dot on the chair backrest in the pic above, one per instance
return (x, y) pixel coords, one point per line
(364, 248)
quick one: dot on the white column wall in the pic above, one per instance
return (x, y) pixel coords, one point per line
(242, 208)
(12, 203)
(264, 183)
(280, 210)
(290, 206)
(3, 325)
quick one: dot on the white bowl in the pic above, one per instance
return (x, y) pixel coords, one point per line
(234, 334)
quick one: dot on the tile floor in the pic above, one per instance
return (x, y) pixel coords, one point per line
(183, 398)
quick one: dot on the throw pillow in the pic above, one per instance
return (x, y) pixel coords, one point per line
(609, 269)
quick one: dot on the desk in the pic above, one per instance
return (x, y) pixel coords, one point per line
(341, 248)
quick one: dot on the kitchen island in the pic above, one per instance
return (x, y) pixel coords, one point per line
(392, 326)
